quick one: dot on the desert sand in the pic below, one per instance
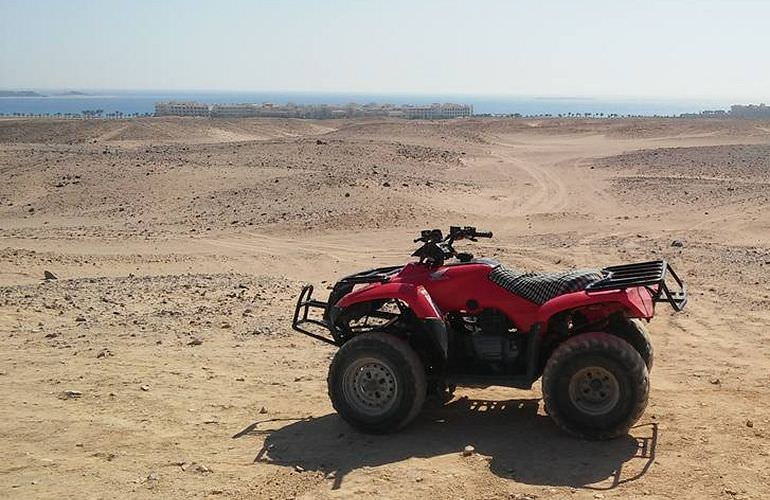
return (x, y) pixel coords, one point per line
(161, 362)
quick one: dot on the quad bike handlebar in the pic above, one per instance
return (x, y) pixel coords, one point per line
(437, 248)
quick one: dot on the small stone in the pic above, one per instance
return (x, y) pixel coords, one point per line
(331, 475)
(80, 319)
(418, 479)
(468, 451)
(299, 468)
(48, 275)
(202, 468)
(749, 423)
(239, 379)
(263, 410)
(715, 381)
(386, 184)
(347, 195)
(145, 388)
(152, 476)
(70, 394)
(677, 243)
(195, 341)
(598, 495)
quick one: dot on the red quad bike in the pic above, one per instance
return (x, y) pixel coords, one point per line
(416, 331)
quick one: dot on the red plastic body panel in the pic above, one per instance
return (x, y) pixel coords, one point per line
(432, 292)
(413, 294)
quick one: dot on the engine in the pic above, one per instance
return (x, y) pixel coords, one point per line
(484, 343)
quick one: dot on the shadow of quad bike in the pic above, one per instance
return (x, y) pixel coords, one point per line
(522, 444)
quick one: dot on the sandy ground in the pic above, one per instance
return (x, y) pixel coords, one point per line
(161, 362)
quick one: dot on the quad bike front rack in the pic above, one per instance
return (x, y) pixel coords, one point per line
(302, 315)
(652, 275)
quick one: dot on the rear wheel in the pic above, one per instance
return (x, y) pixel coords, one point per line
(595, 386)
(377, 382)
(635, 333)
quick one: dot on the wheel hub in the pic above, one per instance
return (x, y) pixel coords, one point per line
(370, 386)
(594, 390)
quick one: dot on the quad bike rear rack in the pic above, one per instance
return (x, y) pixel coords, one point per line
(652, 275)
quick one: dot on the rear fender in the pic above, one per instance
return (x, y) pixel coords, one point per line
(416, 297)
(636, 302)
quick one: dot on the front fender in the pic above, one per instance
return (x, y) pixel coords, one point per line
(416, 297)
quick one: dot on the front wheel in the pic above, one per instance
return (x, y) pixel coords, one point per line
(377, 383)
(595, 386)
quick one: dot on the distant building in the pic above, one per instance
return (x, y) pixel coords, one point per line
(314, 111)
(177, 108)
(233, 110)
(437, 111)
(750, 111)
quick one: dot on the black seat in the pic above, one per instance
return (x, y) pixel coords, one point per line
(542, 287)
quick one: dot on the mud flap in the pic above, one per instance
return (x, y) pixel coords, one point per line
(436, 331)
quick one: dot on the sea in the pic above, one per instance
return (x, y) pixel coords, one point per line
(130, 102)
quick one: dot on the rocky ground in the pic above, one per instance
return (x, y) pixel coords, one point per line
(160, 360)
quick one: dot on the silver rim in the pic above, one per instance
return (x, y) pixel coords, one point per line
(370, 386)
(594, 390)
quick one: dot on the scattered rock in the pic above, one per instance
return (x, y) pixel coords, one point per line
(48, 275)
(152, 476)
(749, 423)
(195, 341)
(299, 468)
(468, 451)
(145, 388)
(677, 243)
(200, 468)
(331, 475)
(103, 353)
(80, 319)
(263, 410)
(70, 394)
(715, 381)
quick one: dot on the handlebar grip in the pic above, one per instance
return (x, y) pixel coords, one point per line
(487, 234)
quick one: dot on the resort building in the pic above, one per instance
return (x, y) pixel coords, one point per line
(175, 108)
(438, 111)
(314, 111)
(233, 110)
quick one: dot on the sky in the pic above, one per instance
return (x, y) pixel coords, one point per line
(663, 49)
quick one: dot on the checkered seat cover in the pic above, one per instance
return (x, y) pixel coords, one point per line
(542, 287)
